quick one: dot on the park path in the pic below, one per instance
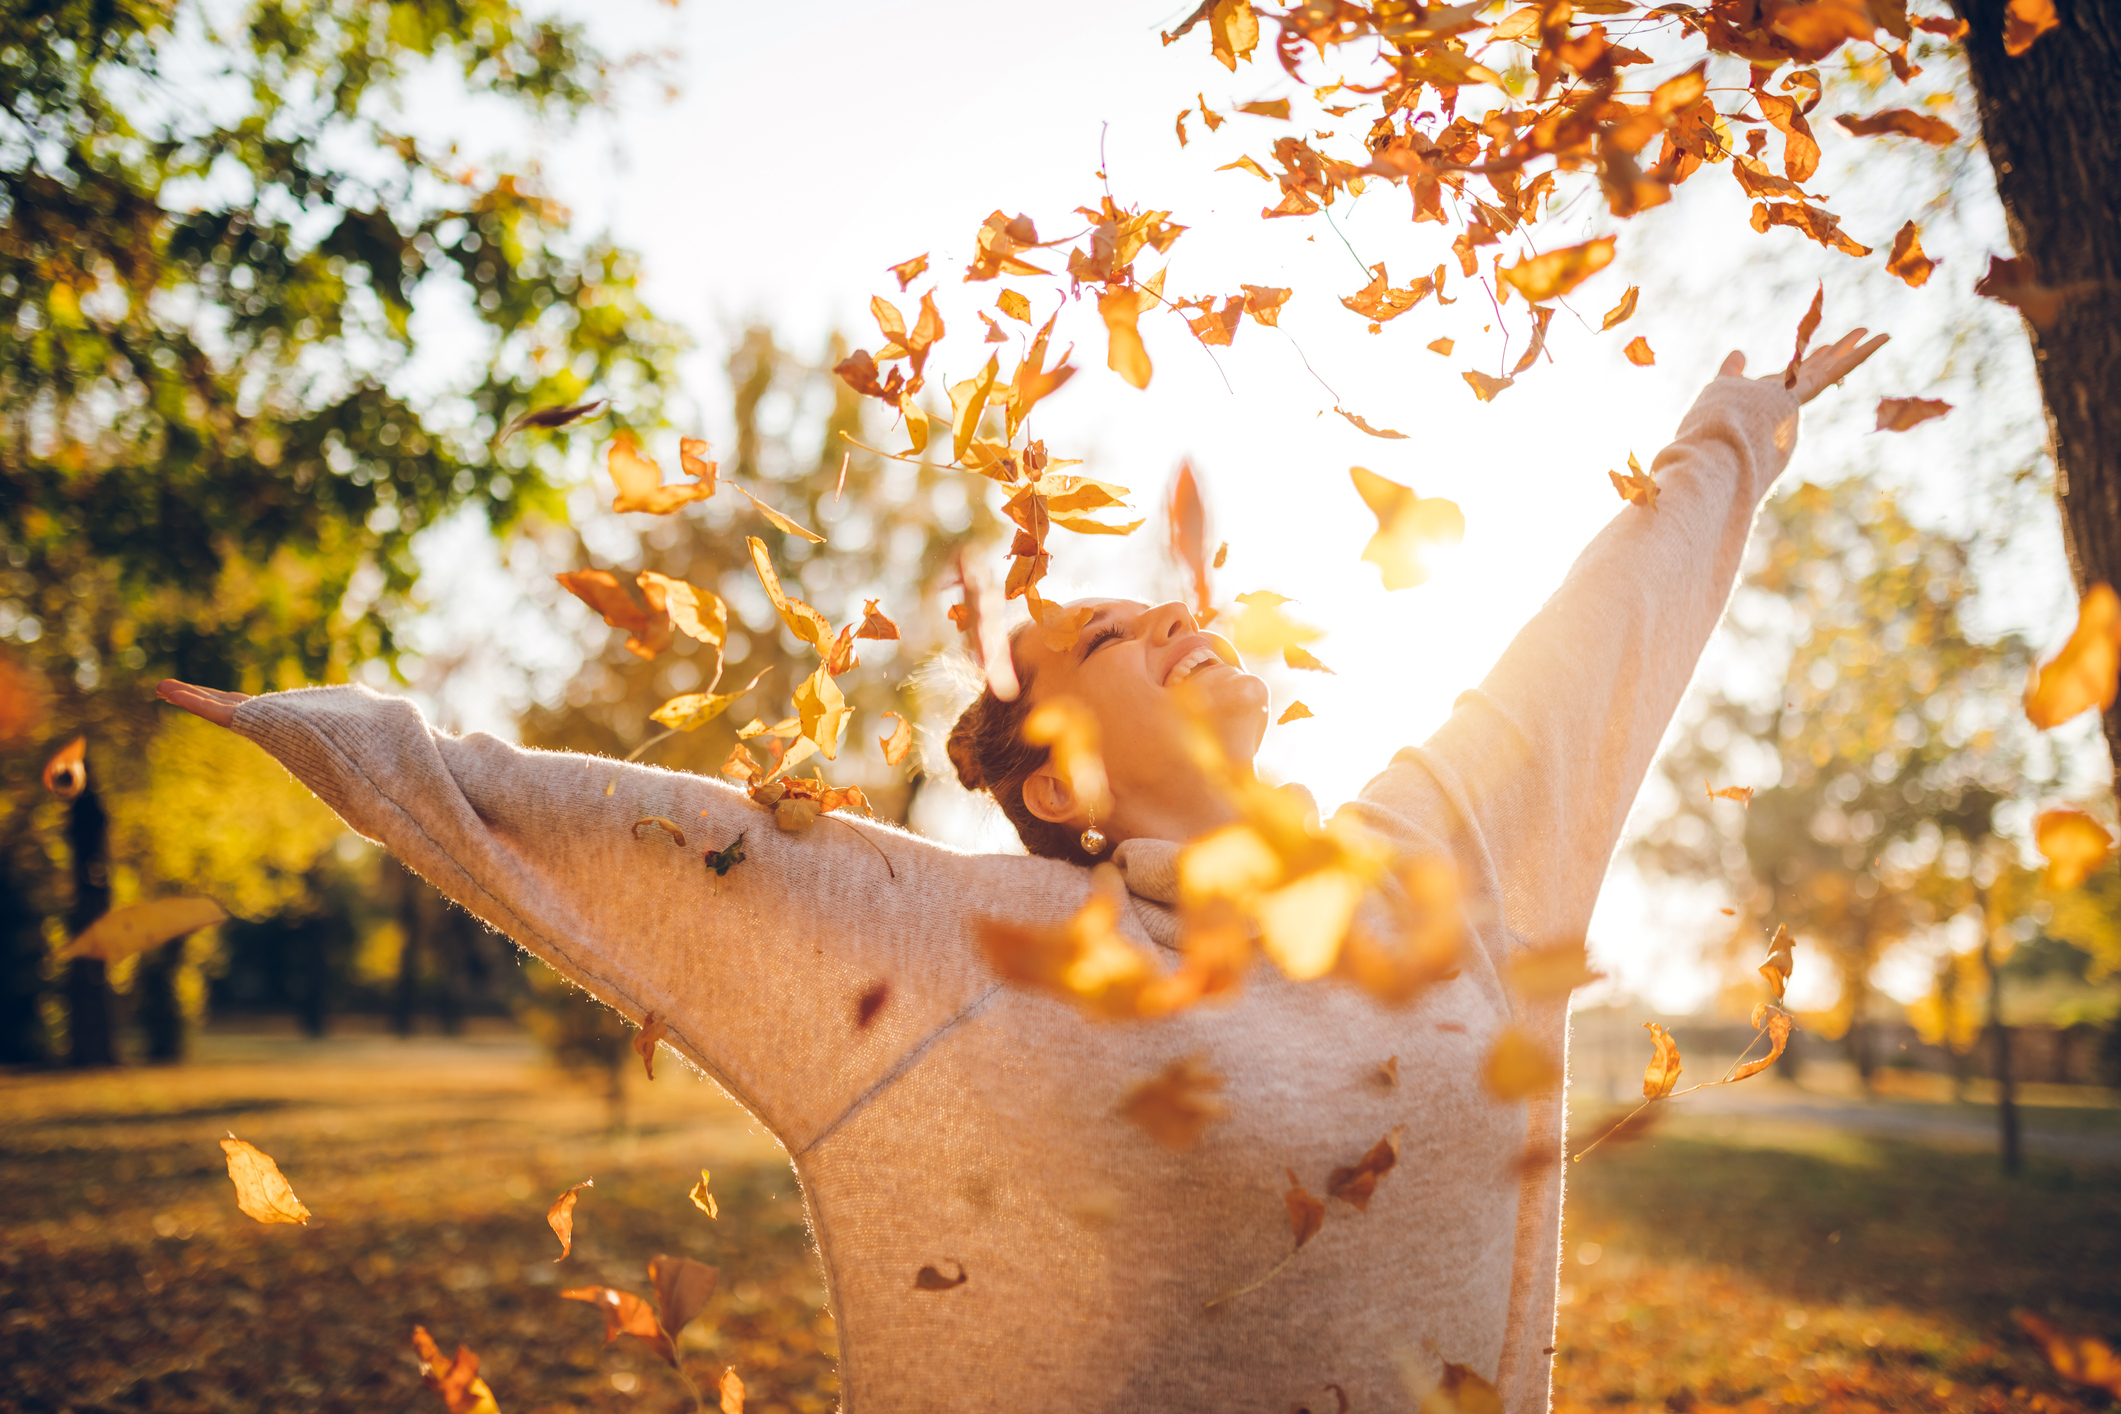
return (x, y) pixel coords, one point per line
(2076, 1134)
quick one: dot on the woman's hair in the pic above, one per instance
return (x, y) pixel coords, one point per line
(988, 749)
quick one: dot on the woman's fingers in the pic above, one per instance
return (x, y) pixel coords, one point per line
(1733, 365)
(1830, 365)
(211, 703)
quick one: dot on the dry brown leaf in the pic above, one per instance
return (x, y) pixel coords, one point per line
(2074, 844)
(2085, 673)
(640, 481)
(653, 1030)
(627, 1314)
(692, 710)
(1806, 327)
(547, 419)
(668, 827)
(560, 1216)
(807, 624)
(907, 271)
(932, 1279)
(1662, 1073)
(1778, 1024)
(457, 1381)
(1550, 276)
(1388, 1073)
(1780, 962)
(1361, 426)
(682, 1289)
(1295, 712)
(899, 742)
(627, 604)
(1177, 1104)
(732, 1393)
(1907, 260)
(2024, 22)
(1624, 311)
(1357, 1183)
(1380, 302)
(1264, 302)
(261, 1191)
(1899, 414)
(136, 927)
(1485, 387)
(870, 1003)
(1307, 1213)
(1518, 1066)
(1638, 487)
(703, 1199)
(1266, 108)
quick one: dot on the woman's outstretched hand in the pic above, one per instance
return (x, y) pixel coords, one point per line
(1822, 368)
(211, 703)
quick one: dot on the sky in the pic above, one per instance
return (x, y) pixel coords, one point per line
(806, 151)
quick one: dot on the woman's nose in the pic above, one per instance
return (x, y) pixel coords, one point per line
(1168, 621)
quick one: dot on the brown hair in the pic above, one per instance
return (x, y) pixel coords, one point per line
(988, 749)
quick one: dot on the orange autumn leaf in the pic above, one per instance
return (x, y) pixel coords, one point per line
(1908, 260)
(1294, 712)
(978, 617)
(1742, 794)
(2074, 844)
(1814, 221)
(1622, 312)
(2085, 673)
(1356, 1184)
(1639, 352)
(1904, 121)
(1262, 627)
(1485, 387)
(1899, 414)
(627, 1314)
(1518, 1066)
(1410, 528)
(640, 481)
(1461, 1391)
(1361, 426)
(807, 624)
(1662, 1073)
(1379, 301)
(1264, 302)
(1186, 519)
(1246, 164)
(703, 1199)
(781, 522)
(456, 1380)
(1307, 1213)
(2024, 22)
(1544, 974)
(560, 1216)
(874, 624)
(1441, 346)
(1806, 327)
(692, 457)
(653, 1030)
(1294, 657)
(1778, 1024)
(1638, 487)
(634, 606)
(1085, 959)
(66, 773)
(2081, 1359)
(1125, 353)
(899, 742)
(261, 1191)
(731, 1390)
(133, 928)
(697, 613)
(1233, 31)
(1550, 276)
(1780, 962)
(1267, 108)
(1177, 1104)
(907, 271)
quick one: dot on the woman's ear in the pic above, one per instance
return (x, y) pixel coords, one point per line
(1047, 795)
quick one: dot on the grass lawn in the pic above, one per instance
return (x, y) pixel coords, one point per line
(1714, 1264)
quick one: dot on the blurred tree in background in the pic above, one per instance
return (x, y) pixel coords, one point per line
(215, 228)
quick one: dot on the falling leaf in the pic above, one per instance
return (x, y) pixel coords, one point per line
(1264, 302)
(1307, 1213)
(1267, 108)
(1183, 113)
(692, 457)
(66, 774)
(932, 1279)
(625, 604)
(1906, 122)
(1461, 1391)
(1485, 387)
(1014, 305)
(1639, 352)
(1125, 354)
(1085, 959)
(1222, 555)
(652, 1031)
(1778, 1024)
(1638, 487)
(1177, 1104)
(1213, 119)
(2085, 673)
(1779, 964)
(2081, 1359)
(870, 1003)
(692, 710)
(1662, 1073)
(547, 419)
(907, 271)
(978, 616)
(640, 481)
(1814, 221)
(1233, 31)
(560, 1216)
(668, 827)
(627, 1314)
(1388, 1073)
(1246, 164)
(2074, 844)
(704, 1200)
(697, 613)
(2024, 22)
(1899, 414)
(682, 1289)
(261, 1192)
(806, 623)
(1186, 515)
(732, 1391)
(457, 1381)
(1356, 1184)
(899, 742)
(1296, 712)
(781, 522)
(1551, 972)
(1518, 1066)
(1262, 627)
(1742, 794)
(1379, 301)
(1806, 327)
(2017, 284)
(721, 861)
(1441, 346)
(1360, 425)
(1068, 730)
(1410, 528)
(1294, 657)
(1550, 276)
(136, 927)
(1622, 312)
(1907, 260)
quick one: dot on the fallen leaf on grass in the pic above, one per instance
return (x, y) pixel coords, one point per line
(1296, 712)
(704, 1200)
(1899, 414)
(1356, 1184)
(2074, 844)
(652, 1031)
(1177, 1104)
(133, 929)
(1638, 487)
(560, 1218)
(1806, 327)
(2081, 1359)
(1307, 1212)
(457, 1381)
(2087, 670)
(261, 1191)
(1410, 528)
(932, 1279)
(1518, 1066)
(1662, 1073)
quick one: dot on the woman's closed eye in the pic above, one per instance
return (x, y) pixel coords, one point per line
(1102, 637)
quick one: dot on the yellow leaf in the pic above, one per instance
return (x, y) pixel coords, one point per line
(1125, 354)
(1461, 1391)
(1779, 964)
(1778, 1024)
(1518, 1066)
(823, 711)
(261, 1191)
(640, 481)
(1014, 305)
(1296, 712)
(1176, 1104)
(123, 932)
(1622, 312)
(1302, 922)
(702, 1199)
(692, 710)
(1262, 627)
(1550, 276)
(2084, 674)
(967, 401)
(1233, 31)
(781, 522)
(806, 623)
(1409, 528)
(1662, 1073)
(2074, 844)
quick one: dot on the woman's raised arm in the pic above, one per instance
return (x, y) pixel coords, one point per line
(760, 974)
(1543, 760)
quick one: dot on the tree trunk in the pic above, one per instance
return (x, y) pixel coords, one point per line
(2000, 1038)
(91, 1024)
(160, 1013)
(2051, 118)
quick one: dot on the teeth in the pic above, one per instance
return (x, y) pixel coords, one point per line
(1193, 662)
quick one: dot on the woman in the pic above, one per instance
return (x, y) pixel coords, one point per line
(972, 1127)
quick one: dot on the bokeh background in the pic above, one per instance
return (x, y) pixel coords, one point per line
(274, 277)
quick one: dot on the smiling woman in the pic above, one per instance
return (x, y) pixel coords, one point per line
(942, 1122)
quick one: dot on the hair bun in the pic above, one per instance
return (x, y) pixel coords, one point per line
(964, 747)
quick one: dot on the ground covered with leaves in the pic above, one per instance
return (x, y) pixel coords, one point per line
(1720, 1262)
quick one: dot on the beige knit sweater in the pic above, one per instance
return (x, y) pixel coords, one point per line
(974, 1124)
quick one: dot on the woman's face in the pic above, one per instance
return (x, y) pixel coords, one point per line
(1141, 669)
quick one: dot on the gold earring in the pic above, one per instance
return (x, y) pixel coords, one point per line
(1093, 838)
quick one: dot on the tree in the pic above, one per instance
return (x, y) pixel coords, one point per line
(1882, 746)
(211, 466)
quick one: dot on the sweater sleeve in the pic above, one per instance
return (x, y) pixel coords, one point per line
(759, 974)
(1540, 764)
